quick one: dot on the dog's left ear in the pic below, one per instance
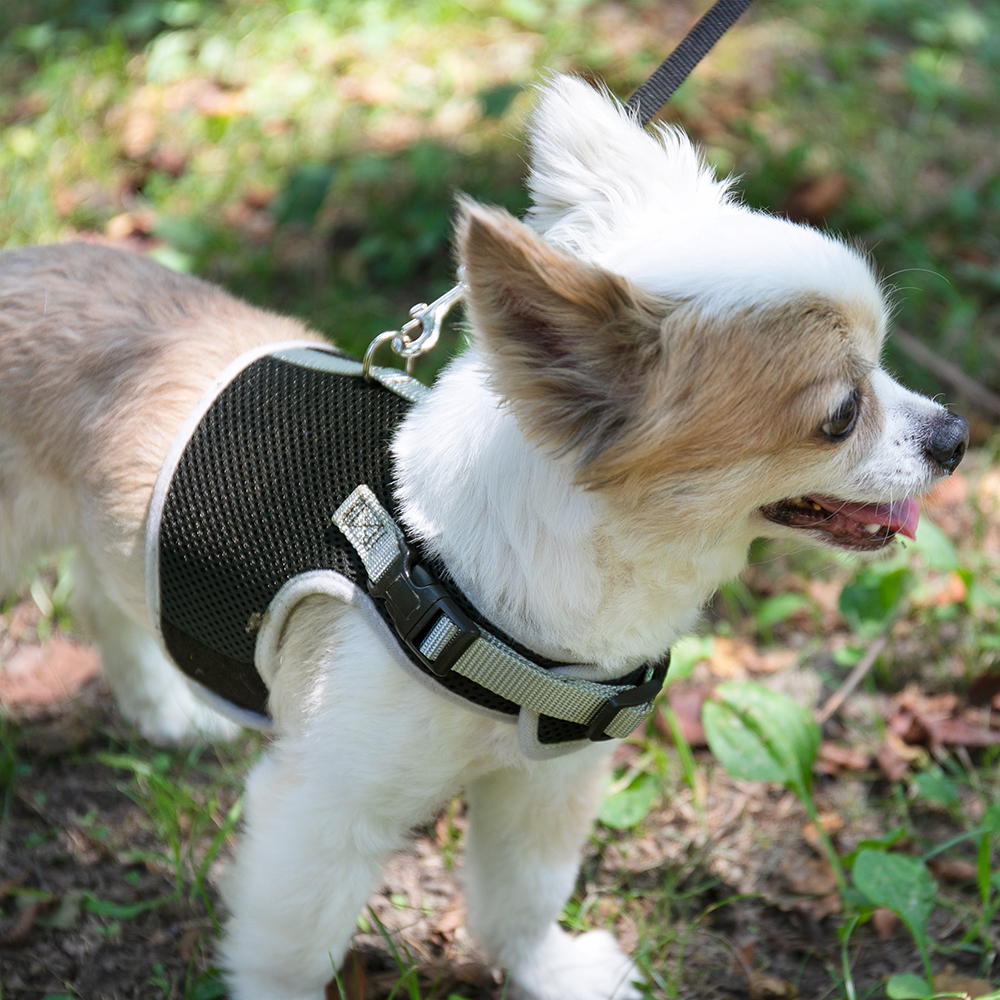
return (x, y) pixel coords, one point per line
(570, 344)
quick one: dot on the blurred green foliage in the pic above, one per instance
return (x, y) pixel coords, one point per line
(306, 152)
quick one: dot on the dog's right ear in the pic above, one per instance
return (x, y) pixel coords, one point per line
(569, 344)
(596, 173)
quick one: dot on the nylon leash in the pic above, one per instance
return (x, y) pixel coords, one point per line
(646, 101)
(675, 69)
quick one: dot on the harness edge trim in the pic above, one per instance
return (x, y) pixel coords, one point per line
(169, 466)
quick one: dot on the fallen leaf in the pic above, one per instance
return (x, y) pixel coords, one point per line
(43, 675)
(214, 102)
(450, 921)
(764, 987)
(187, 943)
(834, 757)
(686, 703)
(814, 200)
(138, 132)
(894, 765)
(808, 876)
(25, 921)
(84, 849)
(820, 907)
(949, 982)
(985, 688)
(958, 732)
(354, 976)
(953, 869)
(126, 224)
(830, 822)
(885, 922)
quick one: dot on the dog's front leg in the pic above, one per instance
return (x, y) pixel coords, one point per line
(304, 869)
(367, 754)
(527, 828)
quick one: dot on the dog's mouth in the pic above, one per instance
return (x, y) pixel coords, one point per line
(863, 527)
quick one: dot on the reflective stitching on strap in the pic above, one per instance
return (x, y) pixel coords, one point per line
(369, 528)
(488, 662)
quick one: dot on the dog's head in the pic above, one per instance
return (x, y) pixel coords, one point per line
(688, 354)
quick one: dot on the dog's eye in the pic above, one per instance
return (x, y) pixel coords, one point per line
(842, 422)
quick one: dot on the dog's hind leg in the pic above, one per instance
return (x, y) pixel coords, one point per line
(526, 832)
(150, 691)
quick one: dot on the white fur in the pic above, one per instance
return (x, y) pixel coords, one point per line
(364, 751)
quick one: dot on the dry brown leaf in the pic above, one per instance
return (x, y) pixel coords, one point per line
(949, 982)
(808, 876)
(354, 976)
(834, 757)
(46, 674)
(953, 869)
(729, 656)
(25, 921)
(814, 200)
(83, 848)
(764, 987)
(187, 943)
(686, 703)
(885, 923)
(831, 823)
(894, 765)
(450, 921)
(214, 102)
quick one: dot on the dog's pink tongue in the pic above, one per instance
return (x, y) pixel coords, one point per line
(900, 515)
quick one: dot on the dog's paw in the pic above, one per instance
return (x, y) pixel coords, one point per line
(588, 967)
(181, 724)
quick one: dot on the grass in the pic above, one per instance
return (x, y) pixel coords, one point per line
(306, 155)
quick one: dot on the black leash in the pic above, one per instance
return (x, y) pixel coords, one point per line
(674, 70)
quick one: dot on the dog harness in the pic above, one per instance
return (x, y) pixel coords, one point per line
(280, 486)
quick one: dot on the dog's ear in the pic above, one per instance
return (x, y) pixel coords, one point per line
(569, 344)
(595, 171)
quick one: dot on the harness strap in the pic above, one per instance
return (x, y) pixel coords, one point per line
(445, 639)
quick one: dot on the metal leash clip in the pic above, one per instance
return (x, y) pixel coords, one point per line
(429, 318)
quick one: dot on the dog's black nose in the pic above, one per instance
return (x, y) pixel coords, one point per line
(947, 440)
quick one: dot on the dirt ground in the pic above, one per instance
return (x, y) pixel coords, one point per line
(719, 893)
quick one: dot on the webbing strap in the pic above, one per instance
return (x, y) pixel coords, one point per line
(486, 660)
(674, 70)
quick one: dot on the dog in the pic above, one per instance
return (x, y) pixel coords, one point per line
(657, 375)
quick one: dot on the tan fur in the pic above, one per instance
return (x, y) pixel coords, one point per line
(573, 342)
(102, 356)
(645, 391)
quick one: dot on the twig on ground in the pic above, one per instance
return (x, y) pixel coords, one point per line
(855, 677)
(948, 372)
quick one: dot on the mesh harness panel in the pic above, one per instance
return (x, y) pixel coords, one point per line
(249, 507)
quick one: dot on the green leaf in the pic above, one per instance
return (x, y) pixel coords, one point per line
(870, 600)
(686, 654)
(991, 818)
(894, 836)
(936, 787)
(762, 735)
(898, 883)
(209, 989)
(779, 608)
(629, 806)
(848, 656)
(303, 194)
(908, 986)
(935, 546)
(120, 911)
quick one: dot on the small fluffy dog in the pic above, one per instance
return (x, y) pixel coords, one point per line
(657, 376)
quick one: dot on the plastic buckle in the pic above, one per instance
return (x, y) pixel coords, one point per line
(639, 695)
(415, 600)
